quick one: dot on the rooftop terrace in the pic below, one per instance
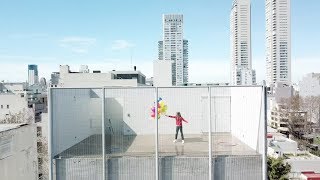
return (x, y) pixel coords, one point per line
(113, 126)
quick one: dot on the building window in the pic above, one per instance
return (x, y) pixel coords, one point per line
(7, 106)
(1, 106)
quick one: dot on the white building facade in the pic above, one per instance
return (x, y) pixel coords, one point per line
(174, 48)
(18, 152)
(310, 85)
(240, 37)
(278, 41)
(162, 73)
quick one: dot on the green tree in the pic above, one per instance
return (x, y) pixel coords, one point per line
(278, 169)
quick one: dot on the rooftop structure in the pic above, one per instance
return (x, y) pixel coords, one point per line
(13, 87)
(108, 133)
(67, 78)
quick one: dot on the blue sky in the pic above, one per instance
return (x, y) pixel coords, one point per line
(104, 35)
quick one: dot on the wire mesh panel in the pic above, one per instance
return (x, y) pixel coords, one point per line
(133, 149)
(235, 113)
(183, 133)
(76, 133)
(129, 133)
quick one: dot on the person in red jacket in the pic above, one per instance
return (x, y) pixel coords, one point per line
(179, 120)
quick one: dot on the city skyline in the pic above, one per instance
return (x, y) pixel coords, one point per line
(101, 40)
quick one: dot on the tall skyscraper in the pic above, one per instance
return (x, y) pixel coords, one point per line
(174, 48)
(278, 41)
(33, 77)
(240, 29)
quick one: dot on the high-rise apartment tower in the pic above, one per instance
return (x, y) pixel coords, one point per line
(174, 48)
(278, 41)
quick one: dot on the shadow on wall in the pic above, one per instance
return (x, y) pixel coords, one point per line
(117, 138)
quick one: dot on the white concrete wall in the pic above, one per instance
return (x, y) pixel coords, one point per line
(16, 104)
(76, 116)
(162, 73)
(135, 106)
(137, 110)
(247, 116)
(18, 154)
(191, 102)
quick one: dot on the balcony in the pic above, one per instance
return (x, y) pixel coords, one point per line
(109, 134)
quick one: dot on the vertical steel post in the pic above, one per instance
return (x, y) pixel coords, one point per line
(210, 135)
(157, 135)
(103, 135)
(50, 134)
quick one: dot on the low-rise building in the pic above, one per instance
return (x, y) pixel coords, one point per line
(18, 152)
(281, 119)
(300, 161)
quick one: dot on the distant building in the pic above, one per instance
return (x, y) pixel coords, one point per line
(280, 119)
(162, 75)
(245, 76)
(33, 76)
(43, 82)
(149, 81)
(310, 85)
(15, 88)
(241, 58)
(174, 48)
(13, 99)
(281, 91)
(300, 161)
(22, 104)
(18, 152)
(67, 78)
(278, 41)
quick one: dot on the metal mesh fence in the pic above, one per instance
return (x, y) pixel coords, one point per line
(137, 145)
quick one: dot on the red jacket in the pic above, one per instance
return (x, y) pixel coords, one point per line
(178, 120)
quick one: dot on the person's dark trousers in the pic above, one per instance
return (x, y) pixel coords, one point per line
(181, 132)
